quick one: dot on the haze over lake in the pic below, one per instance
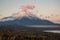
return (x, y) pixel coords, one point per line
(42, 25)
(53, 31)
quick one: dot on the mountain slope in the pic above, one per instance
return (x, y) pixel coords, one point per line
(30, 20)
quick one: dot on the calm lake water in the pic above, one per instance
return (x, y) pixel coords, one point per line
(53, 31)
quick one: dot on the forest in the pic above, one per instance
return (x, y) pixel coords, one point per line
(26, 33)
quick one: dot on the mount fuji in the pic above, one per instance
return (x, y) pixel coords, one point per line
(24, 20)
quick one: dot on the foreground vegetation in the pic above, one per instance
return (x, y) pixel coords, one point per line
(26, 34)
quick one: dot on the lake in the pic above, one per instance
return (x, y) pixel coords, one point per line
(53, 31)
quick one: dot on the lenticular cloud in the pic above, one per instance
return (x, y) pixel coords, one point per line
(28, 6)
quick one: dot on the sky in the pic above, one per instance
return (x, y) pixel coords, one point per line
(45, 9)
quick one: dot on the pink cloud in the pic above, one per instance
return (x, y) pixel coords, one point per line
(28, 6)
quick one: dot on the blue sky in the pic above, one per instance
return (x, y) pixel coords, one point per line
(45, 8)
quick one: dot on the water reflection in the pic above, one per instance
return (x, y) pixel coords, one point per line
(54, 31)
